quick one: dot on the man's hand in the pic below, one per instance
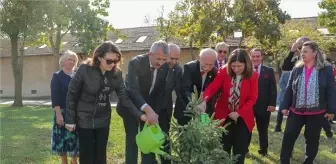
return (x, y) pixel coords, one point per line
(271, 108)
(285, 112)
(152, 117)
(143, 118)
(202, 107)
(70, 127)
(329, 117)
(234, 116)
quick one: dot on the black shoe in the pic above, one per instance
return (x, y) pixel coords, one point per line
(263, 152)
(277, 129)
(329, 135)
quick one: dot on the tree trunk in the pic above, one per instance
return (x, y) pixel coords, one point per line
(241, 40)
(17, 71)
(55, 46)
(191, 50)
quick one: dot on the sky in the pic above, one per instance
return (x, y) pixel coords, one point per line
(132, 13)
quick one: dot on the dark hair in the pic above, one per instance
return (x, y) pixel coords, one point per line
(258, 49)
(240, 55)
(102, 49)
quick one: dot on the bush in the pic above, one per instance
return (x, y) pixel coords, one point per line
(195, 142)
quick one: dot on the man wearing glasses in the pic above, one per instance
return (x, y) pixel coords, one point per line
(222, 50)
(290, 60)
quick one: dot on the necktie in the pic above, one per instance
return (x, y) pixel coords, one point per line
(256, 68)
(220, 63)
(152, 73)
(202, 73)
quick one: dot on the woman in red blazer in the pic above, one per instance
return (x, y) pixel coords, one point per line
(239, 92)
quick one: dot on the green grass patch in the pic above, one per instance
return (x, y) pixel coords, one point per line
(25, 137)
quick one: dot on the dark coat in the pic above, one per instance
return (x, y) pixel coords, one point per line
(327, 90)
(173, 83)
(82, 107)
(192, 77)
(138, 83)
(267, 93)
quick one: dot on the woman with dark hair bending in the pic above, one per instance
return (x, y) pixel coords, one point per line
(239, 92)
(88, 106)
(309, 99)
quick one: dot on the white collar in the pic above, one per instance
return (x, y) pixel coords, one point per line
(150, 63)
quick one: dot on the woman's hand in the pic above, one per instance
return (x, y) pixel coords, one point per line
(329, 117)
(234, 116)
(70, 127)
(285, 112)
(143, 118)
(59, 119)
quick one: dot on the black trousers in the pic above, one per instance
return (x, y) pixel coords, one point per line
(92, 145)
(131, 126)
(164, 122)
(262, 122)
(237, 139)
(279, 119)
(313, 126)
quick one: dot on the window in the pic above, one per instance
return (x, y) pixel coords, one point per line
(43, 46)
(1, 91)
(324, 31)
(33, 91)
(237, 34)
(141, 39)
(119, 40)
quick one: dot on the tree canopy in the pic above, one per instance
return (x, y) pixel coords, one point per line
(327, 17)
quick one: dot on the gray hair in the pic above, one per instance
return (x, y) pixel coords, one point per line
(160, 45)
(208, 52)
(174, 47)
(320, 56)
(66, 55)
(222, 45)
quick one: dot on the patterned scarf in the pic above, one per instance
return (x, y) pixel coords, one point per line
(310, 98)
(235, 93)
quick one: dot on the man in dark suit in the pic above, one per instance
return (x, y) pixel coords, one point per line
(145, 83)
(173, 83)
(267, 95)
(222, 52)
(199, 73)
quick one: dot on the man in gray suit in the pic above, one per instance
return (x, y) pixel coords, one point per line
(173, 83)
(145, 82)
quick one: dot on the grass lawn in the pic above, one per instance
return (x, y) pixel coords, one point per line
(25, 138)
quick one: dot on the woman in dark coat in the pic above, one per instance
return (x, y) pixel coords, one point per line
(63, 142)
(309, 100)
(88, 102)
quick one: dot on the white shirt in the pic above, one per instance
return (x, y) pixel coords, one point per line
(223, 63)
(259, 68)
(203, 78)
(152, 85)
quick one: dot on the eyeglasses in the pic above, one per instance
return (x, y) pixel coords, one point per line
(220, 51)
(109, 61)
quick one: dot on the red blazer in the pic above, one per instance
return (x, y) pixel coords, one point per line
(248, 96)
